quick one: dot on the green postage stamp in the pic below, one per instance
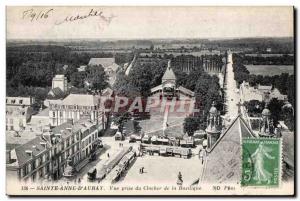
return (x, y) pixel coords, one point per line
(261, 162)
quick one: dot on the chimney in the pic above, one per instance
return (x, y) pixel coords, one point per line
(43, 144)
(29, 153)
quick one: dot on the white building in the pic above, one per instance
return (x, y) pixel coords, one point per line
(260, 93)
(18, 112)
(60, 81)
(75, 106)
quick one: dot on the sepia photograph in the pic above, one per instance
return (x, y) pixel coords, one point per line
(150, 101)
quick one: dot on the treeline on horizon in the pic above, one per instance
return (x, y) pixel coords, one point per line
(284, 45)
(270, 60)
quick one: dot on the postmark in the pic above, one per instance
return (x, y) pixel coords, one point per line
(261, 162)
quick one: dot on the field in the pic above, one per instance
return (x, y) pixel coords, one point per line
(270, 69)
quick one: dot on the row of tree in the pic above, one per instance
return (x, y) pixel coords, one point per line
(269, 60)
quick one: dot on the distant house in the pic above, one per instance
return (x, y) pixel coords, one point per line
(61, 82)
(65, 67)
(108, 64)
(260, 93)
(82, 68)
(18, 112)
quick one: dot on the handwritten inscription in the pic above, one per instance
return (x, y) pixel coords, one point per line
(91, 13)
(37, 15)
(32, 14)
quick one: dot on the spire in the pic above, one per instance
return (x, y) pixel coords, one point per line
(213, 130)
(266, 127)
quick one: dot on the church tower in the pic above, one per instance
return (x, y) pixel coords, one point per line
(214, 125)
(266, 127)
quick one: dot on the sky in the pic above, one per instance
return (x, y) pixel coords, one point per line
(148, 22)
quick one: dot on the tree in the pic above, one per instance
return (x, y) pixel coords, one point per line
(190, 125)
(275, 108)
(120, 119)
(77, 79)
(97, 78)
(136, 126)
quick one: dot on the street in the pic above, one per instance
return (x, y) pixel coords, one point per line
(231, 96)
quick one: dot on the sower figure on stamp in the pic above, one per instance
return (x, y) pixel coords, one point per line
(261, 174)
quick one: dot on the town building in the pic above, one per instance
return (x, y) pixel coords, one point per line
(18, 112)
(60, 81)
(75, 106)
(168, 86)
(30, 161)
(46, 156)
(260, 93)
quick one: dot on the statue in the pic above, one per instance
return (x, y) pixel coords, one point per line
(179, 179)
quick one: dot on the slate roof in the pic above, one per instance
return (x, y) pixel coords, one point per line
(23, 157)
(56, 92)
(81, 99)
(104, 62)
(169, 75)
(186, 91)
(62, 129)
(217, 167)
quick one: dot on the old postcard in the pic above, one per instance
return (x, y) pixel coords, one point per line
(150, 101)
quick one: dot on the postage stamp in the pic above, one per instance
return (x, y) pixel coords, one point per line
(261, 162)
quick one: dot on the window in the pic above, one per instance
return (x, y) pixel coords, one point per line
(25, 170)
(33, 165)
(53, 114)
(20, 101)
(13, 101)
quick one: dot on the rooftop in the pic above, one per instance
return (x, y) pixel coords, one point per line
(60, 76)
(228, 145)
(104, 62)
(169, 74)
(33, 145)
(81, 99)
